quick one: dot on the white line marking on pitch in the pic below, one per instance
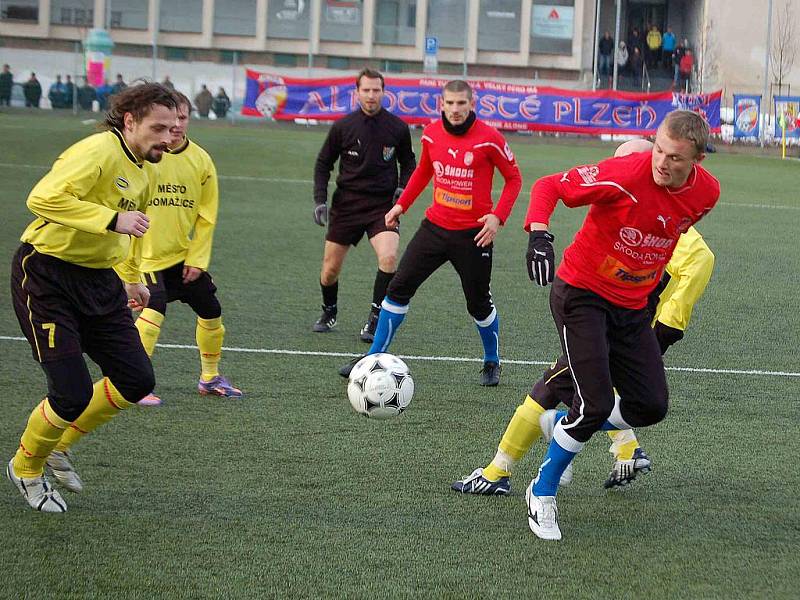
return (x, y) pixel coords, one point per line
(439, 358)
(310, 181)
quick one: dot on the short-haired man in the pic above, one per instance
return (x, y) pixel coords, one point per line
(175, 253)
(369, 144)
(460, 153)
(670, 303)
(67, 297)
(639, 206)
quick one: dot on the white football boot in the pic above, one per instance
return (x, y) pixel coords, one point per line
(542, 515)
(61, 468)
(37, 492)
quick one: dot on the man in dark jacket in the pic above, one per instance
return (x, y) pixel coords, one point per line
(6, 83)
(221, 104)
(203, 102)
(86, 95)
(33, 91)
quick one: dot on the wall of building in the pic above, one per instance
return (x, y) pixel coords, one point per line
(499, 34)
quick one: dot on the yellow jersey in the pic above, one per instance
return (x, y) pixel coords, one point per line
(690, 270)
(75, 202)
(182, 210)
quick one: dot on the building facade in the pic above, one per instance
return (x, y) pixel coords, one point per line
(536, 40)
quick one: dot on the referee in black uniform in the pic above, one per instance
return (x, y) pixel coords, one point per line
(369, 144)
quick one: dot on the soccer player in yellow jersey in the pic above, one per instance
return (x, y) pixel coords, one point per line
(67, 297)
(671, 303)
(176, 251)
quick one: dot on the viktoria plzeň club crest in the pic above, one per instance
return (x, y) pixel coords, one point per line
(388, 153)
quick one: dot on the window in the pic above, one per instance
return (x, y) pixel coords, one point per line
(552, 26)
(447, 21)
(19, 10)
(171, 53)
(129, 14)
(181, 16)
(235, 17)
(288, 19)
(72, 12)
(341, 21)
(341, 63)
(499, 25)
(396, 22)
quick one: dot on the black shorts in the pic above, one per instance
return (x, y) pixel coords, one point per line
(352, 216)
(167, 286)
(606, 347)
(65, 309)
(429, 249)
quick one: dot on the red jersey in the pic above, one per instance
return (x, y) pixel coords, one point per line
(631, 228)
(462, 167)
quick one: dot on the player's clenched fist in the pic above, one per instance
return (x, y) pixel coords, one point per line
(132, 222)
(541, 257)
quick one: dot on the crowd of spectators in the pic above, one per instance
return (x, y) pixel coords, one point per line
(64, 94)
(663, 54)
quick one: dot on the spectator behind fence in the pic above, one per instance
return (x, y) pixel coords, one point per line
(33, 91)
(119, 85)
(653, 46)
(69, 93)
(221, 104)
(668, 47)
(57, 94)
(203, 102)
(86, 95)
(103, 92)
(6, 83)
(167, 83)
(635, 41)
(677, 55)
(621, 58)
(687, 63)
(606, 52)
(635, 61)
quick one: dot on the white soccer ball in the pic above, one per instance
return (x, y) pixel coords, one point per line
(380, 386)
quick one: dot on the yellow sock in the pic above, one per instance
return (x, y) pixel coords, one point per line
(149, 326)
(45, 428)
(624, 443)
(522, 431)
(210, 333)
(106, 403)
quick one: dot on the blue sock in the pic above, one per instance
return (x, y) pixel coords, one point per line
(392, 315)
(555, 462)
(489, 329)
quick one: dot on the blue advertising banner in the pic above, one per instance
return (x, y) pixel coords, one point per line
(787, 111)
(746, 109)
(501, 105)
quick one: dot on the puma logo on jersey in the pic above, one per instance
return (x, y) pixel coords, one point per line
(664, 220)
(453, 153)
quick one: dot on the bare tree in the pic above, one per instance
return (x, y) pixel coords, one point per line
(784, 45)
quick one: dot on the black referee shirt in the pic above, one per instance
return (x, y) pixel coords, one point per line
(368, 149)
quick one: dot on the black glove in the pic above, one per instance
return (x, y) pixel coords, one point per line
(321, 214)
(541, 258)
(666, 335)
(397, 193)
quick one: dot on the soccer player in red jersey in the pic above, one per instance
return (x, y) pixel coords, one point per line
(460, 153)
(639, 206)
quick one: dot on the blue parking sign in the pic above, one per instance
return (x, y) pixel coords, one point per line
(431, 46)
